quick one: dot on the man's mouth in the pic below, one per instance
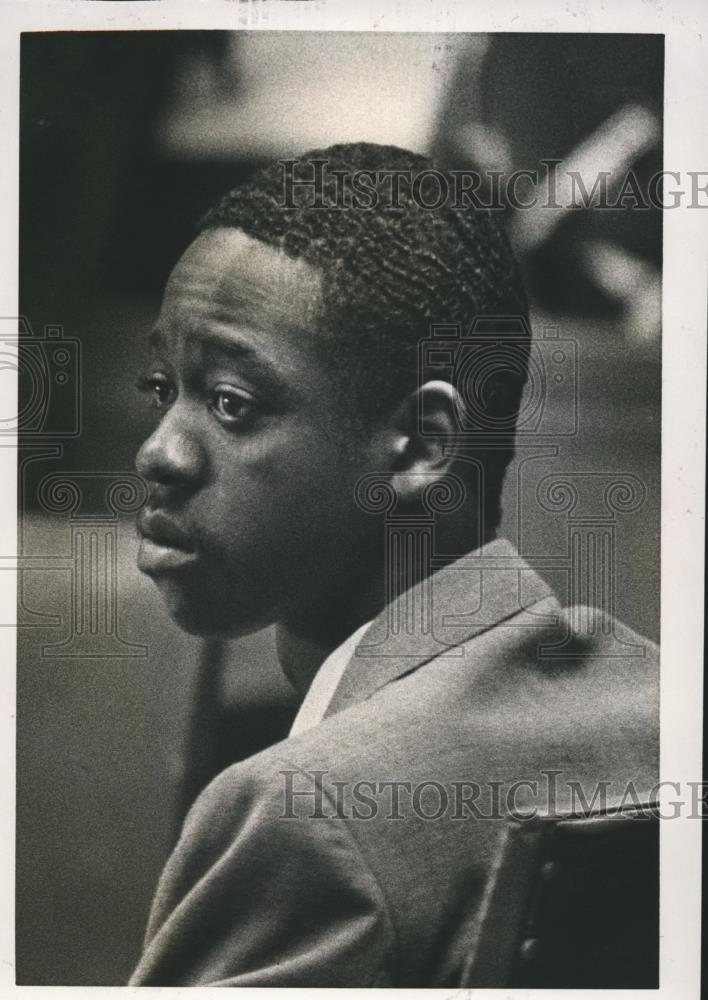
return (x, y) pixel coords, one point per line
(164, 545)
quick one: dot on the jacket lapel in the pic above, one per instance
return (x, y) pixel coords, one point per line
(454, 604)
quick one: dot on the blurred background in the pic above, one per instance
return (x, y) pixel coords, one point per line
(126, 139)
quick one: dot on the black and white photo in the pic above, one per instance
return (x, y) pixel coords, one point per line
(356, 378)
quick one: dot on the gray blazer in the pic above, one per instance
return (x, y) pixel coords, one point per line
(360, 853)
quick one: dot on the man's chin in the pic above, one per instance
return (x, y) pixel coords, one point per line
(206, 618)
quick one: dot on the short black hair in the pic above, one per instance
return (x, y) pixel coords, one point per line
(391, 269)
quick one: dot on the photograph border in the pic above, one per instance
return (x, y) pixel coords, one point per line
(684, 311)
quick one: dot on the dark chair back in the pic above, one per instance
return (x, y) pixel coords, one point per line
(574, 904)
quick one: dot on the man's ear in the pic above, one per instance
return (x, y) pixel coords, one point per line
(424, 422)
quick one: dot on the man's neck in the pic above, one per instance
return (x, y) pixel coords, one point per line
(304, 643)
(300, 657)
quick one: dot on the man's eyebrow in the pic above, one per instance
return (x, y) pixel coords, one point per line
(226, 342)
(156, 340)
(212, 341)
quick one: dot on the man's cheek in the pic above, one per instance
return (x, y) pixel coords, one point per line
(302, 462)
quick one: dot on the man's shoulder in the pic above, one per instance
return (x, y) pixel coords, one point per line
(605, 632)
(557, 661)
(577, 669)
(581, 685)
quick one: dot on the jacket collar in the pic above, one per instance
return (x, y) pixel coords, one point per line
(433, 618)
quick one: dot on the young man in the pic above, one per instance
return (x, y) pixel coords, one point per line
(301, 459)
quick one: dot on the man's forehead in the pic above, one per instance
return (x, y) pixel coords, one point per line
(225, 273)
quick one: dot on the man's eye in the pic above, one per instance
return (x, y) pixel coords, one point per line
(158, 389)
(232, 406)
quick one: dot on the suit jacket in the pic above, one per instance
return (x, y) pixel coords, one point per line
(360, 853)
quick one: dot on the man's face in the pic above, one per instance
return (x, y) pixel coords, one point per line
(254, 459)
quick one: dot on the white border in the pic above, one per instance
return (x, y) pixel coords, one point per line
(685, 25)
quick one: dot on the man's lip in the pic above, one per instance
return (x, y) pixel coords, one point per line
(165, 546)
(163, 532)
(154, 559)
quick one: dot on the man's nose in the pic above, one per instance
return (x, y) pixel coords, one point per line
(172, 455)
